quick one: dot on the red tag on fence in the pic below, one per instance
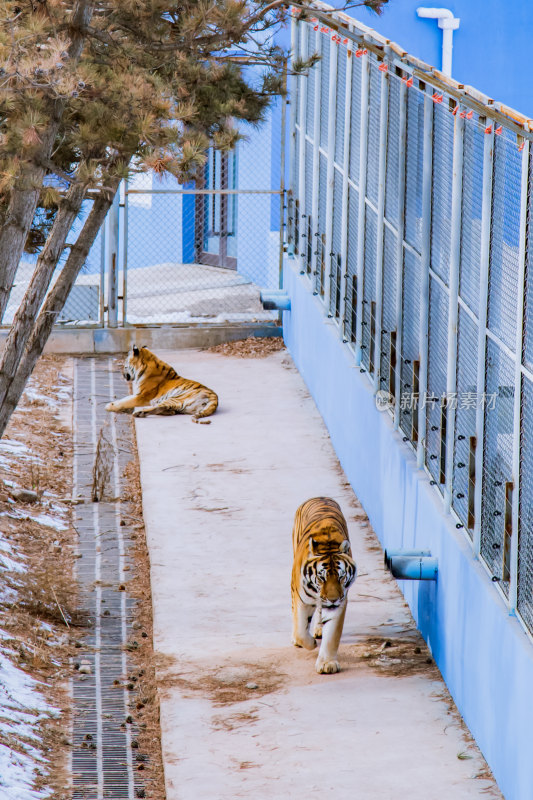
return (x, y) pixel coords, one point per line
(521, 147)
(498, 131)
(408, 81)
(488, 129)
(383, 68)
(437, 98)
(455, 110)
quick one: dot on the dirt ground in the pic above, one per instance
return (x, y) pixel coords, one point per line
(39, 606)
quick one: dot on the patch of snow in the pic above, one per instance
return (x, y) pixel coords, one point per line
(50, 522)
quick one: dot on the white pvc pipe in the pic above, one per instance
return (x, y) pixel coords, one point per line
(448, 24)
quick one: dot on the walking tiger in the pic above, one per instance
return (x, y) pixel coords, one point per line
(322, 573)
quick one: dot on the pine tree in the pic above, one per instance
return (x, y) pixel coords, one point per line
(92, 90)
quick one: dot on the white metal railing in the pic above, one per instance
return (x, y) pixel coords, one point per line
(429, 277)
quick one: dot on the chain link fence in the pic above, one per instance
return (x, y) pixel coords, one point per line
(417, 194)
(185, 254)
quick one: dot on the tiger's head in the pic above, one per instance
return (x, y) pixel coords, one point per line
(330, 570)
(134, 360)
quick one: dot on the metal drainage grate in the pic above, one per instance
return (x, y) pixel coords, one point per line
(103, 761)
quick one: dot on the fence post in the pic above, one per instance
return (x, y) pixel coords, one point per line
(282, 194)
(125, 255)
(453, 307)
(380, 232)
(112, 262)
(427, 179)
(102, 273)
(486, 212)
(332, 89)
(513, 587)
(345, 171)
(363, 148)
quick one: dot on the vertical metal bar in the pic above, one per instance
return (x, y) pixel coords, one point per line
(282, 195)
(513, 587)
(486, 211)
(425, 252)
(382, 172)
(315, 246)
(453, 307)
(302, 95)
(396, 336)
(332, 89)
(112, 255)
(102, 273)
(363, 149)
(125, 257)
(345, 171)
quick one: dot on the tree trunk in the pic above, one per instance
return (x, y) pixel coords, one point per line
(25, 197)
(35, 293)
(55, 301)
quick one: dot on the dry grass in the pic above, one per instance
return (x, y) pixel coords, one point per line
(41, 613)
(102, 467)
(252, 347)
(228, 684)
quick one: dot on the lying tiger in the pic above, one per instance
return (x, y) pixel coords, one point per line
(322, 573)
(158, 389)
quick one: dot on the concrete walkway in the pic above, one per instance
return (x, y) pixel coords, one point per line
(219, 502)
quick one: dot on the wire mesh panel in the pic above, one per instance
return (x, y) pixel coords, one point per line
(369, 289)
(336, 243)
(355, 118)
(320, 233)
(473, 146)
(466, 402)
(374, 110)
(505, 239)
(441, 204)
(498, 455)
(350, 289)
(525, 539)
(325, 45)
(528, 294)
(436, 399)
(340, 102)
(413, 168)
(410, 350)
(387, 330)
(310, 82)
(393, 152)
(308, 219)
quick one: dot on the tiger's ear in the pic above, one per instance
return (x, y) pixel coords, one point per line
(345, 546)
(135, 350)
(312, 546)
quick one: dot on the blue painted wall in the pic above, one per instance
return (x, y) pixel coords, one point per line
(490, 49)
(484, 655)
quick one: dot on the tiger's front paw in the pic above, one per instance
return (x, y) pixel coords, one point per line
(304, 641)
(317, 630)
(327, 667)
(111, 407)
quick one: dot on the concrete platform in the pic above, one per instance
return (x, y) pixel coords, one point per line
(219, 502)
(106, 341)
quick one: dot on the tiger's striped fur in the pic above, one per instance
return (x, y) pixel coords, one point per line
(158, 389)
(322, 573)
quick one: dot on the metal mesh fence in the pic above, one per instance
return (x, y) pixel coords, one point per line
(497, 466)
(444, 299)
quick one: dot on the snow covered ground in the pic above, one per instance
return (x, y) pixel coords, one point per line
(166, 293)
(23, 705)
